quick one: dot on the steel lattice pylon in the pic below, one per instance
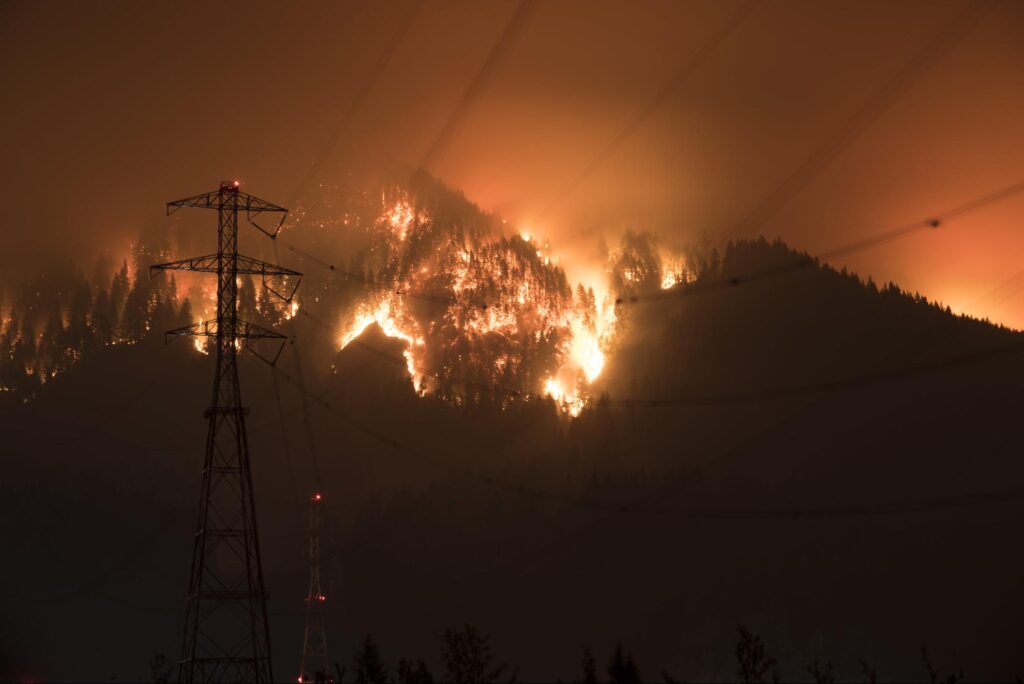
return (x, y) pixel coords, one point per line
(226, 635)
(315, 662)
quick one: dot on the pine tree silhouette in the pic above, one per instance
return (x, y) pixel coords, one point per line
(368, 666)
(755, 665)
(414, 673)
(468, 659)
(622, 669)
(589, 667)
(822, 674)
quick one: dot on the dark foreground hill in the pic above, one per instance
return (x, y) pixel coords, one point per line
(830, 463)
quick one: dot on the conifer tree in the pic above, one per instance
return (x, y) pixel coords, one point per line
(467, 657)
(137, 309)
(368, 666)
(621, 668)
(79, 332)
(589, 667)
(755, 665)
(118, 294)
(414, 673)
(247, 300)
(99, 319)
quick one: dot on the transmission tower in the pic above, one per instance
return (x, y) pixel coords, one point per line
(315, 663)
(226, 635)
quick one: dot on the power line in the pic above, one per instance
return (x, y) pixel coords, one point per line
(477, 85)
(430, 372)
(370, 282)
(930, 223)
(740, 397)
(879, 103)
(360, 98)
(904, 506)
(853, 382)
(472, 92)
(685, 72)
(1006, 291)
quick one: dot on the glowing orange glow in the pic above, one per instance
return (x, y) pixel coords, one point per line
(200, 343)
(400, 217)
(291, 309)
(382, 314)
(512, 313)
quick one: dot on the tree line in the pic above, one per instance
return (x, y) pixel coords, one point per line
(59, 317)
(467, 657)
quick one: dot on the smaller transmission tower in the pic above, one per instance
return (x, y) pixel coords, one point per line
(315, 663)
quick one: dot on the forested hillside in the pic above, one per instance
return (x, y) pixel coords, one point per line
(716, 478)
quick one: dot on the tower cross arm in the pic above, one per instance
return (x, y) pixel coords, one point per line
(208, 264)
(218, 199)
(243, 330)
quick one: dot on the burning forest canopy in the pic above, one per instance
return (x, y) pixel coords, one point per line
(484, 312)
(795, 330)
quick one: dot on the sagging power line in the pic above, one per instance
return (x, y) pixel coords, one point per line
(790, 513)
(664, 94)
(878, 104)
(737, 397)
(929, 223)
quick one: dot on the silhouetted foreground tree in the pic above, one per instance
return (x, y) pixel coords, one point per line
(755, 665)
(822, 674)
(368, 666)
(160, 669)
(622, 668)
(468, 659)
(933, 675)
(414, 673)
(589, 667)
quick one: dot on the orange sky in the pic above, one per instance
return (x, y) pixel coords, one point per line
(112, 109)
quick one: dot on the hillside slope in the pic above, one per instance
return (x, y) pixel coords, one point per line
(807, 391)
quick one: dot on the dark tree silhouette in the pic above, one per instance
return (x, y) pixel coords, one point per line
(589, 667)
(368, 666)
(99, 320)
(468, 659)
(755, 665)
(159, 669)
(821, 674)
(870, 674)
(118, 294)
(413, 673)
(933, 675)
(621, 668)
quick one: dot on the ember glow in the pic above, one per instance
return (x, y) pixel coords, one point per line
(489, 311)
(480, 312)
(381, 313)
(255, 303)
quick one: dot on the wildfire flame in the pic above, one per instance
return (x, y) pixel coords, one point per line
(481, 313)
(507, 316)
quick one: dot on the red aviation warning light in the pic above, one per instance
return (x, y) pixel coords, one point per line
(314, 642)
